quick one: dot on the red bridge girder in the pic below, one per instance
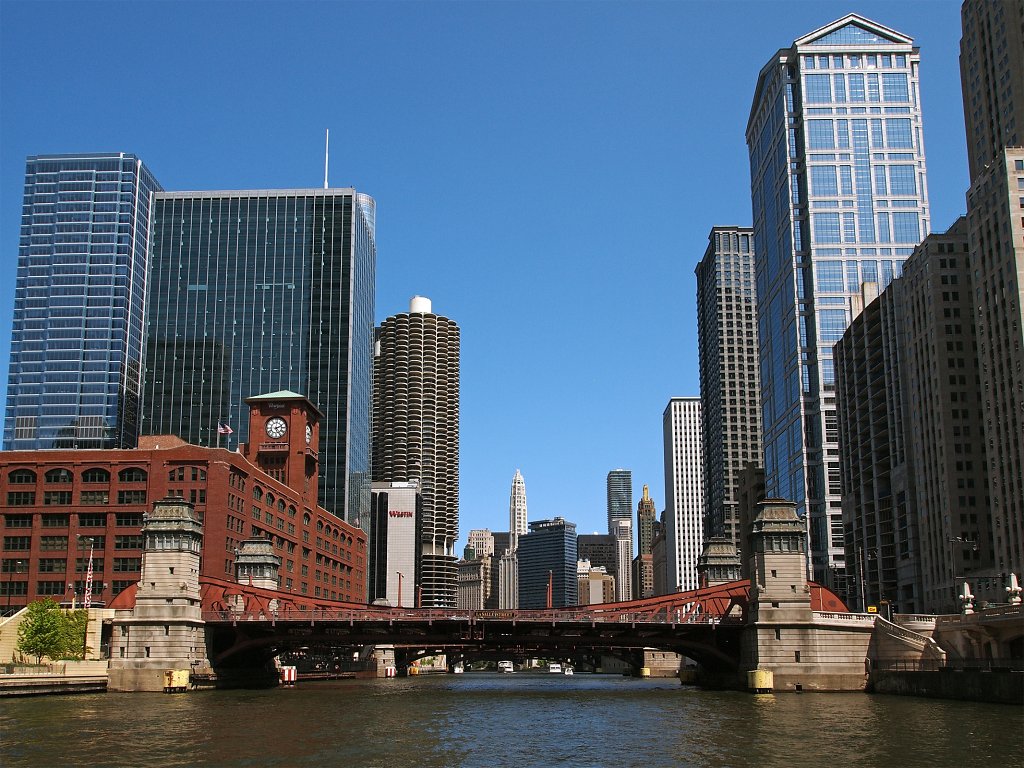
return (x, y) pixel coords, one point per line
(223, 598)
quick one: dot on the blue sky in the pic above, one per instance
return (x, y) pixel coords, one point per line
(546, 172)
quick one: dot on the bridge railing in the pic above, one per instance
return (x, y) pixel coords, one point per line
(867, 619)
(472, 617)
(981, 615)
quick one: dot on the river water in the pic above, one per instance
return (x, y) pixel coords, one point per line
(485, 719)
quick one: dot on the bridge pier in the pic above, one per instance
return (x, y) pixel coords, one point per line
(165, 631)
(804, 650)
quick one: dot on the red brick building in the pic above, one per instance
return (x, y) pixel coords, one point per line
(56, 504)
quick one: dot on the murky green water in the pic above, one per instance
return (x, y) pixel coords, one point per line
(505, 720)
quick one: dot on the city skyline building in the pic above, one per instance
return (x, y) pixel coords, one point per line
(601, 549)
(880, 524)
(620, 497)
(416, 431)
(594, 585)
(684, 493)
(839, 198)
(729, 375)
(992, 79)
(508, 580)
(481, 541)
(394, 567)
(262, 290)
(624, 559)
(646, 517)
(75, 372)
(643, 563)
(548, 558)
(517, 518)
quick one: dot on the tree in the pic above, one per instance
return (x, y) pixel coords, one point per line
(49, 631)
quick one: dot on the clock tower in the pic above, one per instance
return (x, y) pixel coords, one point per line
(284, 438)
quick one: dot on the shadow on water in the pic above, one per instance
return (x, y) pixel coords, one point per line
(478, 720)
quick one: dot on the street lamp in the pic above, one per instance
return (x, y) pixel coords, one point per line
(863, 586)
(954, 540)
(15, 568)
(399, 588)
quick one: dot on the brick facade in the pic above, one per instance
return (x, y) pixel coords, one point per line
(53, 502)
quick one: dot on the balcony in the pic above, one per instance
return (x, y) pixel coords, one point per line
(274, 447)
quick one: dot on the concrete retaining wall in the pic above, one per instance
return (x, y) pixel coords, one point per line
(964, 685)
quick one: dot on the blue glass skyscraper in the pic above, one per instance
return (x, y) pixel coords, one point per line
(258, 291)
(547, 558)
(839, 199)
(77, 340)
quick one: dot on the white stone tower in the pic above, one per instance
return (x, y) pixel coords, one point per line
(517, 510)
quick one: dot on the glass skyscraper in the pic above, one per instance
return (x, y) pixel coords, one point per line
(729, 389)
(77, 340)
(253, 292)
(620, 497)
(547, 558)
(839, 198)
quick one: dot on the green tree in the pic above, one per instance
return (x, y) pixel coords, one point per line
(49, 631)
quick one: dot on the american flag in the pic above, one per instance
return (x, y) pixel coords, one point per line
(224, 429)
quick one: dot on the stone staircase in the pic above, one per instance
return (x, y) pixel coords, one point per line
(9, 636)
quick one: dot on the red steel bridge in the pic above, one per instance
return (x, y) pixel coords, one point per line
(247, 626)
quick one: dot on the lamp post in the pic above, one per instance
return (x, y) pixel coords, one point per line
(863, 586)
(399, 588)
(953, 541)
(15, 568)
(419, 595)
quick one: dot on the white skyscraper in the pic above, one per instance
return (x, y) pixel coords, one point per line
(623, 532)
(684, 491)
(517, 510)
(508, 563)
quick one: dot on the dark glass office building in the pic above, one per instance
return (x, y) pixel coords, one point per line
(548, 551)
(77, 339)
(257, 291)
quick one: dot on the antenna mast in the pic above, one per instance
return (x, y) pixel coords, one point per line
(327, 155)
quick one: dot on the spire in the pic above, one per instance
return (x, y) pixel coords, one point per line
(647, 495)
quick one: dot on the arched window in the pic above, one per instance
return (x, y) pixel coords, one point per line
(270, 499)
(95, 475)
(291, 511)
(132, 475)
(306, 519)
(280, 505)
(257, 493)
(22, 477)
(59, 475)
(319, 525)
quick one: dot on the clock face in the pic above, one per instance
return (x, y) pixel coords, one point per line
(309, 434)
(276, 427)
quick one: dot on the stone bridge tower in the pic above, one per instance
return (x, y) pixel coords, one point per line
(165, 630)
(801, 649)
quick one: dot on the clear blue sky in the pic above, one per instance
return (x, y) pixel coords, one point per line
(547, 173)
